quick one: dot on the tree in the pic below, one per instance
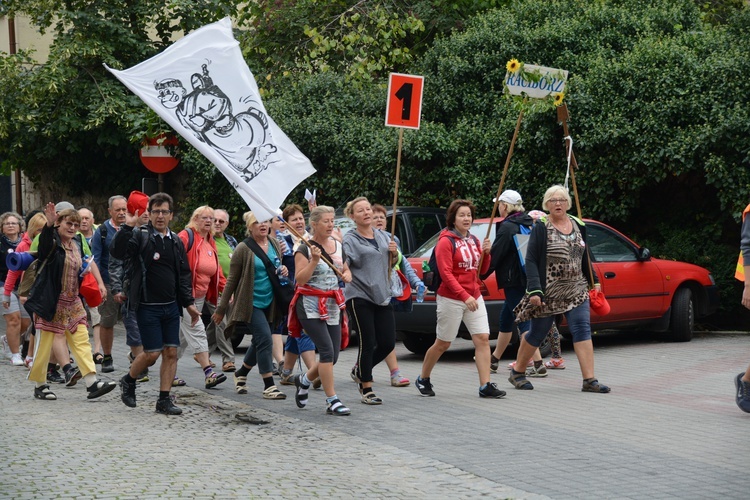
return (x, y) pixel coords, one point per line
(69, 121)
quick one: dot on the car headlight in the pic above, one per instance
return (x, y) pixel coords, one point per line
(711, 277)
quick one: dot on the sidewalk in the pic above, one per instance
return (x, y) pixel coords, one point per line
(669, 429)
(76, 448)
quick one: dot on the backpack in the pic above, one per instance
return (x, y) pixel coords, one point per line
(191, 238)
(432, 278)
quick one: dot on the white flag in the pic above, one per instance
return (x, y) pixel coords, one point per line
(203, 88)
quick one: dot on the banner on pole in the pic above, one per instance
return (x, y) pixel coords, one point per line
(536, 82)
(404, 104)
(202, 87)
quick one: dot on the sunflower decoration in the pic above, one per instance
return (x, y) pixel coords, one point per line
(559, 99)
(513, 65)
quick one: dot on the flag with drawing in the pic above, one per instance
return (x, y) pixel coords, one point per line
(202, 87)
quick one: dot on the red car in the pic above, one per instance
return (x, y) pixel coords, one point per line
(643, 292)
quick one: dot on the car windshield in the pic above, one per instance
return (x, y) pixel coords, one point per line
(478, 229)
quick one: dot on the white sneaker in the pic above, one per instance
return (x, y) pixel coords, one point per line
(6, 347)
(16, 359)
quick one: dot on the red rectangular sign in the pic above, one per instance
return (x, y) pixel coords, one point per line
(404, 105)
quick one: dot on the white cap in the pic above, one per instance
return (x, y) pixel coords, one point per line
(63, 205)
(510, 196)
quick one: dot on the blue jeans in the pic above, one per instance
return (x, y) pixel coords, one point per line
(159, 326)
(260, 351)
(513, 295)
(579, 323)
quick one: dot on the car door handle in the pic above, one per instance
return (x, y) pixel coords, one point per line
(609, 275)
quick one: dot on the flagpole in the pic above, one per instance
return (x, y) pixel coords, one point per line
(306, 242)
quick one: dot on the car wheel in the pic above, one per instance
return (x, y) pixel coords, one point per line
(418, 343)
(683, 316)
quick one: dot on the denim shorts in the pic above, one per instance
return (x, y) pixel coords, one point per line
(579, 324)
(159, 326)
(300, 345)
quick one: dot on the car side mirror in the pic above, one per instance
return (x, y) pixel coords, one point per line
(644, 254)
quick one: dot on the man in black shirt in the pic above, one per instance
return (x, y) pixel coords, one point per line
(160, 285)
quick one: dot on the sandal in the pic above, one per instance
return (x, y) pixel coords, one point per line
(44, 392)
(518, 379)
(228, 367)
(354, 375)
(371, 399)
(317, 383)
(178, 382)
(98, 358)
(593, 385)
(273, 392)
(301, 394)
(336, 407)
(398, 380)
(240, 384)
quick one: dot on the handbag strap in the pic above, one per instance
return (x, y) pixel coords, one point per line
(270, 269)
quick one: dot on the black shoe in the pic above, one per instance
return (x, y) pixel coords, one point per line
(491, 391)
(127, 392)
(424, 386)
(494, 363)
(107, 364)
(100, 388)
(72, 376)
(167, 407)
(54, 377)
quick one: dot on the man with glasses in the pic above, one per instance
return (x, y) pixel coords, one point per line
(109, 310)
(160, 286)
(225, 245)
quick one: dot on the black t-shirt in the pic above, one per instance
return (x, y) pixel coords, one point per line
(161, 280)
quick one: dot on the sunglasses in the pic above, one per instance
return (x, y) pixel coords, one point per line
(219, 221)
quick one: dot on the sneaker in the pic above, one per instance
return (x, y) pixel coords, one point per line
(6, 347)
(72, 376)
(167, 407)
(494, 363)
(533, 371)
(278, 369)
(54, 377)
(100, 388)
(16, 359)
(424, 387)
(215, 379)
(127, 393)
(555, 364)
(287, 378)
(742, 398)
(108, 365)
(28, 362)
(143, 376)
(490, 390)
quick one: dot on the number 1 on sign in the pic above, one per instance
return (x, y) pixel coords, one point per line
(404, 94)
(404, 106)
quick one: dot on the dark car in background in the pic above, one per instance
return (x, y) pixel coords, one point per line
(414, 225)
(644, 292)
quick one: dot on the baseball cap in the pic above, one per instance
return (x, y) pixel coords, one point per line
(64, 205)
(511, 197)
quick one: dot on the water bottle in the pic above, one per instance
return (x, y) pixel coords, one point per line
(420, 292)
(282, 279)
(85, 266)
